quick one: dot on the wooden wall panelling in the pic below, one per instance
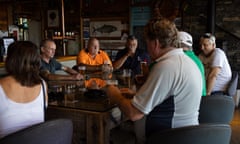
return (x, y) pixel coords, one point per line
(103, 8)
(4, 17)
(67, 33)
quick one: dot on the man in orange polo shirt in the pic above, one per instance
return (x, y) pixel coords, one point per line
(94, 58)
(97, 60)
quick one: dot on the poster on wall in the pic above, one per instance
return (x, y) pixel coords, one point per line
(105, 28)
(53, 18)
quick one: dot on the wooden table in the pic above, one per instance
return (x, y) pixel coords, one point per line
(91, 127)
(91, 116)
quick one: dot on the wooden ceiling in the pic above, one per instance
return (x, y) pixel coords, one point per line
(33, 8)
(24, 8)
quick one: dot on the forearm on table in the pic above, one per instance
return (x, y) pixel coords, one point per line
(69, 70)
(128, 109)
(48, 76)
(60, 77)
(92, 67)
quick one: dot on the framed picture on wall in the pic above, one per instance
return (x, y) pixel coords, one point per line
(53, 18)
(105, 28)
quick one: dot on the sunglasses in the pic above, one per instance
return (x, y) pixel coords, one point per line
(209, 36)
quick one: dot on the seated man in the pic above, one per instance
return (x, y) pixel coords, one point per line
(131, 57)
(185, 42)
(49, 64)
(171, 95)
(94, 58)
(217, 69)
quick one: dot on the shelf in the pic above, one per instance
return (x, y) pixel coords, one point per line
(68, 37)
(61, 38)
(57, 38)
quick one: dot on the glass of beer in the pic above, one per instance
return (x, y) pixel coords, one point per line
(82, 69)
(144, 68)
(127, 77)
(112, 82)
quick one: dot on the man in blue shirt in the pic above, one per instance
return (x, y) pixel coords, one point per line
(49, 64)
(130, 57)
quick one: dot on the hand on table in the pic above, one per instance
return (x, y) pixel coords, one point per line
(127, 92)
(107, 68)
(78, 76)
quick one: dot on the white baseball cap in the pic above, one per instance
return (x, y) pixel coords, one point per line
(185, 38)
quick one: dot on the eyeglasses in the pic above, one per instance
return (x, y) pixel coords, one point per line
(50, 49)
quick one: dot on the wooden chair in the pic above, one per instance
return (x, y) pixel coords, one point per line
(199, 134)
(57, 131)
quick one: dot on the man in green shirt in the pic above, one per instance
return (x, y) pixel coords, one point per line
(185, 42)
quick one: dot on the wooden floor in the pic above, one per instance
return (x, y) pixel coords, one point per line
(235, 124)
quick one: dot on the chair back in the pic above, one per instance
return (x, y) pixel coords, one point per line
(216, 109)
(57, 131)
(232, 86)
(199, 134)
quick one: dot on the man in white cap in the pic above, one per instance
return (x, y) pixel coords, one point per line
(185, 42)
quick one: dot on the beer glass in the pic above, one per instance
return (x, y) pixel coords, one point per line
(82, 69)
(127, 77)
(144, 68)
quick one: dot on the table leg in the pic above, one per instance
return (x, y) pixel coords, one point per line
(98, 129)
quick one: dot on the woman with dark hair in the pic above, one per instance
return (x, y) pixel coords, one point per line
(22, 95)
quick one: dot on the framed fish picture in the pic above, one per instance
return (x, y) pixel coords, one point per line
(105, 28)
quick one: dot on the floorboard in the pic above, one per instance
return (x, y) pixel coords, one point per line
(235, 124)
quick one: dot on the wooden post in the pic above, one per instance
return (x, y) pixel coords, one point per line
(63, 29)
(211, 16)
